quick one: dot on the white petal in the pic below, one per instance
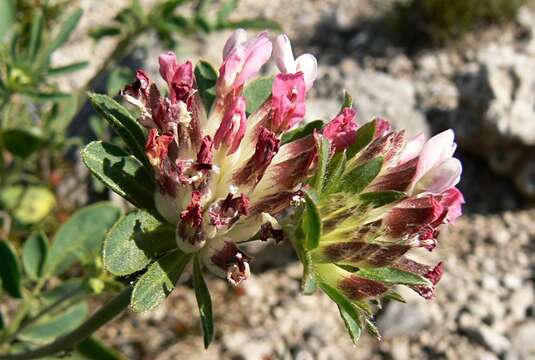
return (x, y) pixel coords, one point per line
(412, 149)
(436, 149)
(282, 52)
(440, 178)
(308, 64)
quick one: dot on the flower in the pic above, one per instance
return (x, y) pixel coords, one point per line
(223, 178)
(405, 193)
(306, 63)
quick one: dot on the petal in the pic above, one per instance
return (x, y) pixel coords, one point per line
(282, 52)
(412, 148)
(440, 178)
(237, 38)
(168, 66)
(436, 149)
(257, 53)
(308, 64)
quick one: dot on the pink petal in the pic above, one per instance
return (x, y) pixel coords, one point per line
(237, 38)
(168, 66)
(282, 52)
(308, 64)
(440, 178)
(341, 130)
(257, 53)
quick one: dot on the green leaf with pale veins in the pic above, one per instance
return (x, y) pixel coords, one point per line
(324, 149)
(134, 240)
(335, 169)
(392, 276)
(156, 284)
(204, 302)
(312, 225)
(256, 92)
(122, 122)
(364, 136)
(122, 173)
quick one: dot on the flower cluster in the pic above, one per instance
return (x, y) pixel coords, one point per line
(404, 192)
(222, 175)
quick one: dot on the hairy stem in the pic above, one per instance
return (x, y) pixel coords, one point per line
(99, 318)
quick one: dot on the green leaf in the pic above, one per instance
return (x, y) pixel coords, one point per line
(392, 276)
(29, 204)
(122, 173)
(360, 177)
(206, 77)
(46, 95)
(133, 241)
(64, 289)
(2, 324)
(225, 10)
(94, 349)
(393, 295)
(61, 38)
(335, 169)
(34, 253)
(7, 17)
(23, 142)
(256, 92)
(372, 329)
(119, 77)
(81, 237)
(100, 32)
(380, 198)
(48, 328)
(309, 282)
(36, 34)
(157, 283)
(353, 326)
(348, 101)
(324, 149)
(63, 111)
(363, 137)
(301, 131)
(348, 312)
(169, 6)
(256, 24)
(204, 302)
(9, 270)
(122, 122)
(67, 69)
(311, 221)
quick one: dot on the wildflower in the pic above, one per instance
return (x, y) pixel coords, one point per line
(223, 178)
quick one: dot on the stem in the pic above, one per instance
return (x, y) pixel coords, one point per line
(3, 104)
(99, 318)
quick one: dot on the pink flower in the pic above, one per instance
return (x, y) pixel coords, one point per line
(306, 63)
(179, 78)
(341, 130)
(287, 101)
(242, 60)
(232, 127)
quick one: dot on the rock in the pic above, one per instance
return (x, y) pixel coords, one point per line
(491, 339)
(522, 340)
(520, 302)
(404, 319)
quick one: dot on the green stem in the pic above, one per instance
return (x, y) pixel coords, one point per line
(3, 104)
(99, 318)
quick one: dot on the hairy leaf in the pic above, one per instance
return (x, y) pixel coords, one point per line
(204, 302)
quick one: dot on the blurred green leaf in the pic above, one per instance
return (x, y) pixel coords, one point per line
(393, 295)
(360, 177)
(23, 142)
(36, 34)
(50, 327)
(257, 91)
(206, 77)
(81, 237)
(311, 220)
(168, 7)
(62, 36)
(34, 253)
(133, 241)
(94, 349)
(309, 282)
(100, 32)
(372, 329)
(225, 10)
(348, 101)
(204, 302)
(121, 172)
(119, 77)
(61, 115)
(29, 204)
(301, 131)
(10, 270)
(45, 95)
(67, 69)
(122, 122)
(157, 283)
(7, 17)
(256, 24)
